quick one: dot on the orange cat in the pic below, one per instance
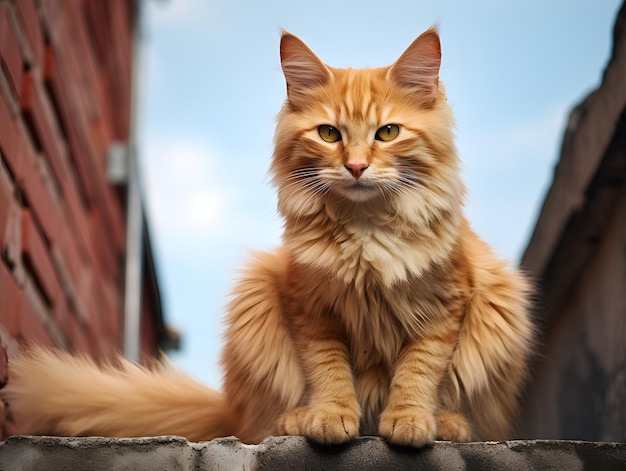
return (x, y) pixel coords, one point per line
(382, 313)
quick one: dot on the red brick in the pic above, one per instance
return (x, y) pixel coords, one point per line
(43, 126)
(69, 254)
(114, 213)
(37, 257)
(67, 263)
(91, 173)
(55, 83)
(75, 305)
(99, 303)
(77, 336)
(97, 28)
(113, 63)
(86, 286)
(94, 346)
(32, 329)
(86, 106)
(6, 203)
(21, 162)
(110, 206)
(10, 237)
(11, 302)
(108, 256)
(112, 318)
(61, 313)
(118, 69)
(80, 63)
(100, 135)
(69, 66)
(9, 138)
(52, 18)
(101, 98)
(27, 13)
(78, 220)
(10, 50)
(31, 182)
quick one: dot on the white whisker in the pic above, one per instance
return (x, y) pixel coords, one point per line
(305, 182)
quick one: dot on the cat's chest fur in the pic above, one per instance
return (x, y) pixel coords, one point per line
(379, 278)
(364, 247)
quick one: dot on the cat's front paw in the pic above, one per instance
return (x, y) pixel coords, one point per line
(329, 426)
(408, 427)
(452, 426)
(289, 422)
(325, 424)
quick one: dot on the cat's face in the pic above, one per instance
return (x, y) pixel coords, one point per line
(368, 136)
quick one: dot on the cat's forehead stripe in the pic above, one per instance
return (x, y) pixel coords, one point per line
(360, 96)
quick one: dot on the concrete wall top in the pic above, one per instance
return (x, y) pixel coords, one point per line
(278, 453)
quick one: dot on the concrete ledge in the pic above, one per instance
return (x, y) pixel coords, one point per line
(277, 453)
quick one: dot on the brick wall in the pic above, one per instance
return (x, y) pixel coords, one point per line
(65, 97)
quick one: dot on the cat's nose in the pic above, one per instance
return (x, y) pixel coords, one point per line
(356, 168)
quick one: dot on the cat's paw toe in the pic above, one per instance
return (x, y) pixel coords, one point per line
(452, 426)
(413, 427)
(290, 422)
(329, 427)
(325, 425)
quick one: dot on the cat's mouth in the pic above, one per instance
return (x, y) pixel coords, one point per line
(357, 190)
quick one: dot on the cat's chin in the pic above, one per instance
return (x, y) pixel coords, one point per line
(357, 192)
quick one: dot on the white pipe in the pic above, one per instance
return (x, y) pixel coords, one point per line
(134, 219)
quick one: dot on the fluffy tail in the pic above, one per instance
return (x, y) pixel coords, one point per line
(57, 393)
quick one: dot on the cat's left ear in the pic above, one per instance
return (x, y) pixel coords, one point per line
(418, 67)
(303, 70)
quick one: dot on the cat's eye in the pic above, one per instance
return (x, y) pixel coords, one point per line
(387, 132)
(329, 133)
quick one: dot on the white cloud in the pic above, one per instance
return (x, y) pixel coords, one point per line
(184, 197)
(202, 208)
(187, 14)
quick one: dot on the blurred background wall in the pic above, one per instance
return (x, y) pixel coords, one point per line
(577, 254)
(66, 103)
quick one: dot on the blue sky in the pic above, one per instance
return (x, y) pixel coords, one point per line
(210, 86)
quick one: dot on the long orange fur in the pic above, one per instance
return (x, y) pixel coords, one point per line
(381, 313)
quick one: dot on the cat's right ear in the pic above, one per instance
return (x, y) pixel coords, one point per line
(417, 69)
(303, 70)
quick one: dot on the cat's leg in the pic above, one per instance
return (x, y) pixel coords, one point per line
(332, 412)
(410, 415)
(262, 374)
